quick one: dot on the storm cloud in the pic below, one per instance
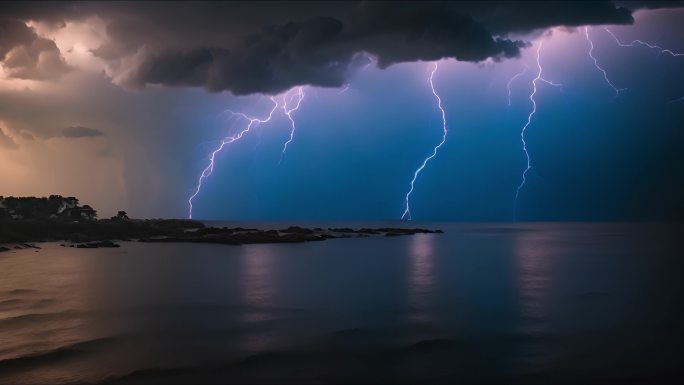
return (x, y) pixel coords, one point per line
(319, 50)
(25, 55)
(240, 49)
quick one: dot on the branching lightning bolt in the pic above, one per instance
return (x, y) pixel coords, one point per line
(288, 112)
(228, 140)
(661, 50)
(508, 85)
(634, 43)
(596, 64)
(407, 209)
(529, 121)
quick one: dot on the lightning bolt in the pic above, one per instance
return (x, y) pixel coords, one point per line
(508, 85)
(538, 78)
(634, 43)
(228, 140)
(596, 64)
(661, 50)
(288, 112)
(407, 208)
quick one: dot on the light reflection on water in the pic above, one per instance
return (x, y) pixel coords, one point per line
(258, 285)
(258, 279)
(421, 282)
(514, 299)
(534, 256)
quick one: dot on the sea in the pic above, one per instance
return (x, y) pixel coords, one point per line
(481, 303)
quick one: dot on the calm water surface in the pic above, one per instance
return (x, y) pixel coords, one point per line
(481, 303)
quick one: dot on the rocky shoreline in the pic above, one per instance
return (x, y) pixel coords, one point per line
(103, 233)
(20, 246)
(292, 234)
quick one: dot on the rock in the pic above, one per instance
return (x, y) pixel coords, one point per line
(243, 229)
(342, 230)
(108, 244)
(96, 245)
(90, 234)
(292, 234)
(213, 230)
(297, 230)
(369, 231)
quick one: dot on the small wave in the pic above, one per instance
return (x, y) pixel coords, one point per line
(22, 291)
(61, 352)
(150, 374)
(277, 364)
(215, 371)
(37, 317)
(9, 304)
(18, 303)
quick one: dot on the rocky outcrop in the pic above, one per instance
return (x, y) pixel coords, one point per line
(96, 245)
(292, 234)
(100, 233)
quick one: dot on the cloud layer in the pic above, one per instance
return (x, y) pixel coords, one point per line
(269, 47)
(25, 55)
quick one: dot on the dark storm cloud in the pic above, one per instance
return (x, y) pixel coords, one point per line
(268, 47)
(25, 55)
(52, 12)
(314, 52)
(653, 4)
(504, 17)
(319, 51)
(79, 132)
(13, 33)
(403, 32)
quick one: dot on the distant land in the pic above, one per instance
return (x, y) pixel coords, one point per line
(24, 220)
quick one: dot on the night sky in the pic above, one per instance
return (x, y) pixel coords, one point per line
(120, 104)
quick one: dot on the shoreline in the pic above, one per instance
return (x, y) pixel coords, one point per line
(20, 234)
